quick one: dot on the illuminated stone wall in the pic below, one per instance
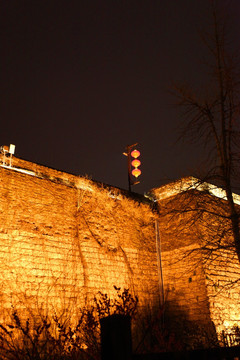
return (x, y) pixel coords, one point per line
(222, 279)
(64, 238)
(200, 267)
(187, 308)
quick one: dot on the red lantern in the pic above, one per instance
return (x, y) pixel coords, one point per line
(136, 163)
(135, 153)
(136, 172)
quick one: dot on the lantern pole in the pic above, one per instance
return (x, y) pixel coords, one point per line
(128, 154)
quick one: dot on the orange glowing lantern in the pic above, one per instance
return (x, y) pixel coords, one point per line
(136, 163)
(135, 153)
(136, 172)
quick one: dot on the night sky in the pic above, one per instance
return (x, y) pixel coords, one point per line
(80, 80)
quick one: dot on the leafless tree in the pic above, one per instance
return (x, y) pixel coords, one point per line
(213, 119)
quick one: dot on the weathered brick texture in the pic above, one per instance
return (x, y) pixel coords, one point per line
(64, 238)
(200, 266)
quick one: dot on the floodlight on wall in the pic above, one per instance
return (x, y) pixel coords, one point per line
(11, 149)
(7, 152)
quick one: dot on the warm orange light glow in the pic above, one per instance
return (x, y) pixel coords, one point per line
(136, 172)
(135, 153)
(136, 163)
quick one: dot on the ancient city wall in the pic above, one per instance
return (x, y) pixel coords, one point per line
(200, 265)
(222, 281)
(222, 269)
(64, 238)
(186, 299)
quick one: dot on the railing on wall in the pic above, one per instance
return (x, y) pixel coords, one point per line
(232, 338)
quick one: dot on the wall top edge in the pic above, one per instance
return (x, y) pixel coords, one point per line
(187, 184)
(77, 181)
(85, 183)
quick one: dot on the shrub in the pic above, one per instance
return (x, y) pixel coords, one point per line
(48, 338)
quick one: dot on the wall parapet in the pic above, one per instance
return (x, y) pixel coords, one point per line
(186, 184)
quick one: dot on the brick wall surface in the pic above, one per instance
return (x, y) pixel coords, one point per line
(64, 238)
(200, 266)
(222, 280)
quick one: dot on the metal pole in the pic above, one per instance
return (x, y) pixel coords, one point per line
(128, 154)
(159, 260)
(129, 168)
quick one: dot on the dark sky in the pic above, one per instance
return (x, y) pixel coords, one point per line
(80, 80)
